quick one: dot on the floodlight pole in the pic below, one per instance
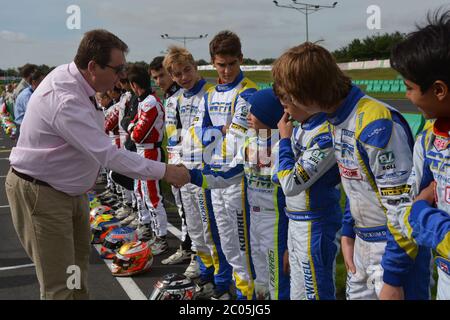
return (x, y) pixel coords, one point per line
(306, 9)
(184, 39)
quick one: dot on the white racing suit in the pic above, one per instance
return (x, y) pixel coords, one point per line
(128, 195)
(112, 130)
(428, 225)
(147, 131)
(191, 200)
(226, 105)
(265, 202)
(373, 147)
(309, 176)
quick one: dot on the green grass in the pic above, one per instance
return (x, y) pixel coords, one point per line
(256, 76)
(372, 74)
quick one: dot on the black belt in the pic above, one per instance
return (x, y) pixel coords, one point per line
(30, 179)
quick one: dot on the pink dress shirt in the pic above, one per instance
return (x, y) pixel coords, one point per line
(62, 141)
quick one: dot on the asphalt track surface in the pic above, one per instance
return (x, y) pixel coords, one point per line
(17, 274)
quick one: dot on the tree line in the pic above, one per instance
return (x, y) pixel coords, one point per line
(374, 47)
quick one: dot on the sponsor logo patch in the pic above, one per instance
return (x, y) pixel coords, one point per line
(386, 158)
(352, 174)
(301, 173)
(440, 143)
(395, 191)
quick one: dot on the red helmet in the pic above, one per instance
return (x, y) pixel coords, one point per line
(132, 258)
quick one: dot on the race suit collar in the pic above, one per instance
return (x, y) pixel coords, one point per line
(346, 107)
(441, 127)
(172, 90)
(195, 89)
(231, 85)
(314, 121)
(145, 95)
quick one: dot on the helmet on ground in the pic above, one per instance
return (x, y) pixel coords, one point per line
(173, 286)
(101, 226)
(98, 211)
(115, 239)
(94, 203)
(132, 258)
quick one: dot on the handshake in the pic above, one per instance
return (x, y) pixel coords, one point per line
(177, 175)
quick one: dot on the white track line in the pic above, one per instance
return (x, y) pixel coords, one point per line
(129, 286)
(4, 206)
(17, 267)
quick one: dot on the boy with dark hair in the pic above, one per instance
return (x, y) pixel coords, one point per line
(222, 118)
(147, 131)
(373, 148)
(423, 59)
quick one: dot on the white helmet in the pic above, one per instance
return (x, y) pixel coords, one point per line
(173, 286)
(98, 211)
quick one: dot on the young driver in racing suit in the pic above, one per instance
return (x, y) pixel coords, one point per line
(309, 176)
(373, 148)
(147, 131)
(266, 201)
(222, 117)
(425, 210)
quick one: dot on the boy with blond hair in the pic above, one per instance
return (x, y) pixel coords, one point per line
(180, 114)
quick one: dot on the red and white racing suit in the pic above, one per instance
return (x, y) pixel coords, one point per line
(147, 131)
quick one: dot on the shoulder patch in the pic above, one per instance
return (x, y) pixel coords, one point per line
(247, 93)
(377, 133)
(369, 110)
(248, 84)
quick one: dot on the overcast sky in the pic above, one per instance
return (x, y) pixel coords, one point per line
(35, 31)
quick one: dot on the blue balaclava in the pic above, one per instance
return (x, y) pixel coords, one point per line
(266, 107)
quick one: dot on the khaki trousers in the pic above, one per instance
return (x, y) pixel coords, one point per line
(53, 227)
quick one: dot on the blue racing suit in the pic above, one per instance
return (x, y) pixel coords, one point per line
(309, 176)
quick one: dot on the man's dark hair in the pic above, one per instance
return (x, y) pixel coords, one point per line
(156, 64)
(140, 76)
(37, 75)
(424, 56)
(225, 43)
(97, 45)
(27, 69)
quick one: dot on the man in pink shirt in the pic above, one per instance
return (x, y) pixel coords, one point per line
(61, 148)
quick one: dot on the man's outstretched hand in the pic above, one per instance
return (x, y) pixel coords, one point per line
(177, 175)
